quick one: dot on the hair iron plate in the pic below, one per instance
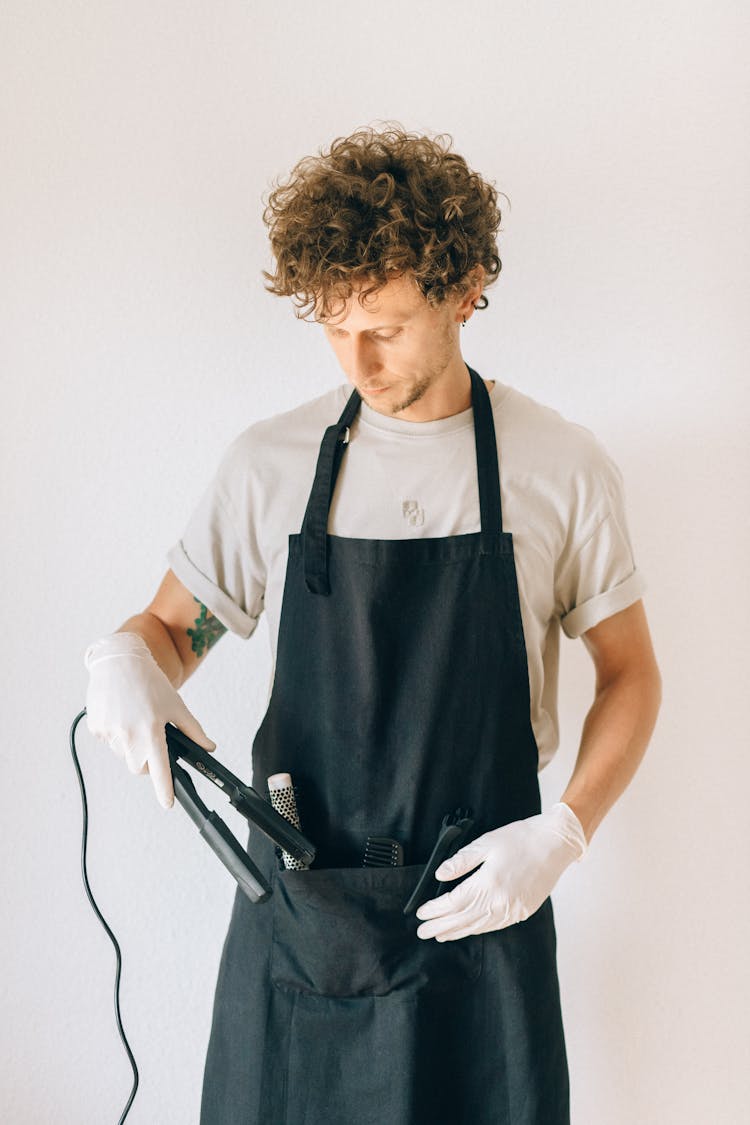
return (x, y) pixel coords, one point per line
(248, 803)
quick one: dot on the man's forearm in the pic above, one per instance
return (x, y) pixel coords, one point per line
(158, 638)
(616, 732)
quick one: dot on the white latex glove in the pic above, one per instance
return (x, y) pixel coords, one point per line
(520, 864)
(128, 703)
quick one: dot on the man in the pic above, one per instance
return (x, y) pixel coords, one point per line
(416, 544)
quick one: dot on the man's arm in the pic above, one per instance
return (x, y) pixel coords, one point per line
(618, 727)
(178, 629)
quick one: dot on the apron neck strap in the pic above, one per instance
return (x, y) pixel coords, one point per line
(488, 472)
(332, 447)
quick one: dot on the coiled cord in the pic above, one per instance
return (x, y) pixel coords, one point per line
(100, 916)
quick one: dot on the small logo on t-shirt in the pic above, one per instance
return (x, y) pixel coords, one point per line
(412, 513)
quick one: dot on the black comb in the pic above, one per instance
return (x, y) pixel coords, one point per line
(453, 831)
(382, 851)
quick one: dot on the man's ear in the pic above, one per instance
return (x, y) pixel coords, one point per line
(467, 305)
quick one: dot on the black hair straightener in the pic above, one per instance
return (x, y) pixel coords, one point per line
(214, 831)
(246, 800)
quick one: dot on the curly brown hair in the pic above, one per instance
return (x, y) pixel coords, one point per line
(375, 205)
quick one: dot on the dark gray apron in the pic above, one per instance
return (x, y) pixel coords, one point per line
(400, 693)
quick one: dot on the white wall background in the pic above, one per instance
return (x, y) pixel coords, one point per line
(138, 341)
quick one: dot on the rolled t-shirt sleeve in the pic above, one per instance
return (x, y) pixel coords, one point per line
(601, 578)
(215, 559)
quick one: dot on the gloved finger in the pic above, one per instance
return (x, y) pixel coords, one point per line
(485, 924)
(455, 935)
(463, 861)
(460, 898)
(436, 908)
(439, 927)
(160, 770)
(189, 725)
(136, 753)
(473, 921)
(115, 744)
(106, 736)
(93, 727)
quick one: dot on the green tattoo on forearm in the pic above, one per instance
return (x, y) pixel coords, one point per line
(206, 632)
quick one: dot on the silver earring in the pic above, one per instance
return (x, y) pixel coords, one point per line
(463, 322)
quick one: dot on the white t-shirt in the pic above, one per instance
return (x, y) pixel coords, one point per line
(562, 500)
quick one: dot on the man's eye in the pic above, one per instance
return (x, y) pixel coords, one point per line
(338, 333)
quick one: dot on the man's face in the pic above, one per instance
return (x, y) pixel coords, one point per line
(397, 347)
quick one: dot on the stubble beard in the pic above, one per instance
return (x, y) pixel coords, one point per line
(417, 391)
(425, 381)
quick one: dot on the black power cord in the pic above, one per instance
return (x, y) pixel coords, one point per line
(100, 916)
(256, 810)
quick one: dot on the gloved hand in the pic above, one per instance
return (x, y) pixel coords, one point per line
(128, 703)
(520, 864)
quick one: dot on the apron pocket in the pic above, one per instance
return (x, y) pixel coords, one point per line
(341, 932)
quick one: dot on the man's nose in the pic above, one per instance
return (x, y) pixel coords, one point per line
(364, 358)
